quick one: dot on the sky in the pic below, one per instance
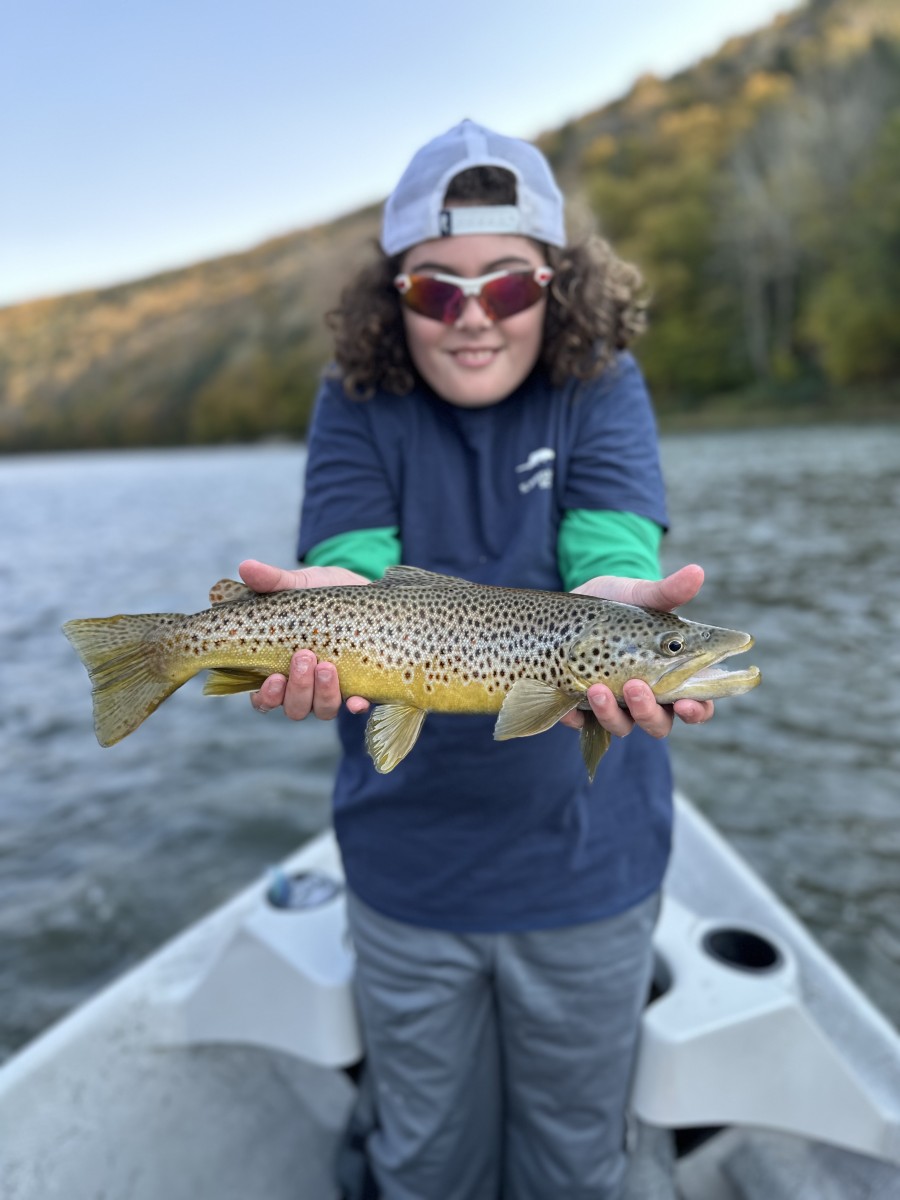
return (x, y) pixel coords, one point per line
(143, 135)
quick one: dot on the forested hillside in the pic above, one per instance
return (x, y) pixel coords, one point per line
(759, 192)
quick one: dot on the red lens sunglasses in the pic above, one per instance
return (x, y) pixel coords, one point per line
(501, 294)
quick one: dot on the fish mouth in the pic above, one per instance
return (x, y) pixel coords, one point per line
(706, 679)
(711, 682)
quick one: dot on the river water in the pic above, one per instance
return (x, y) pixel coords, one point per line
(105, 853)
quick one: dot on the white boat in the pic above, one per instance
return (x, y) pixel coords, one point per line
(222, 1066)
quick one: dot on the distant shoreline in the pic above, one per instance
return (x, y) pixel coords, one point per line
(773, 406)
(735, 411)
(772, 418)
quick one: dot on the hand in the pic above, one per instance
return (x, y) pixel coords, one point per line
(643, 710)
(311, 686)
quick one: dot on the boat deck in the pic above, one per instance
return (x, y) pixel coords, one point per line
(122, 1100)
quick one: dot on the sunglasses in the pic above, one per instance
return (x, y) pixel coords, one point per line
(501, 294)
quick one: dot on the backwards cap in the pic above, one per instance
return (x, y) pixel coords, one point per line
(415, 210)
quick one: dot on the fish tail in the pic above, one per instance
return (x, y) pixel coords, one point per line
(128, 668)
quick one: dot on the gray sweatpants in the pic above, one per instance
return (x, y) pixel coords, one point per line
(499, 1064)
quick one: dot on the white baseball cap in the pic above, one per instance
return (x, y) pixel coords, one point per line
(415, 210)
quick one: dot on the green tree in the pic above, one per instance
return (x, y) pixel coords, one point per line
(853, 317)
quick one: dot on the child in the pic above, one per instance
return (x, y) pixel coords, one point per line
(484, 420)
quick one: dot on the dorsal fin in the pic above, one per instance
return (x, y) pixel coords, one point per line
(401, 576)
(228, 590)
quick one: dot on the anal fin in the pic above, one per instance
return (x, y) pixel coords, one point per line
(224, 681)
(391, 732)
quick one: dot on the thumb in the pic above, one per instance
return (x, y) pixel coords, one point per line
(674, 590)
(664, 594)
(262, 577)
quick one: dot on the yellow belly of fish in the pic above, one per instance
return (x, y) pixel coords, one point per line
(360, 673)
(432, 690)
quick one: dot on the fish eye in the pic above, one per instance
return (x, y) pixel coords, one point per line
(673, 644)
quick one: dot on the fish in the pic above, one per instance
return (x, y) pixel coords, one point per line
(411, 643)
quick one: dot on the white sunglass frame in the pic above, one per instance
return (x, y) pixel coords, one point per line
(474, 287)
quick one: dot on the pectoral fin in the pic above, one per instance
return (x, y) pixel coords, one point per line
(391, 732)
(594, 743)
(223, 681)
(531, 707)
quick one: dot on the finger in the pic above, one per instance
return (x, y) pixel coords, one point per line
(356, 705)
(299, 693)
(262, 577)
(269, 695)
(608, 712)
(694, 712)
(327, 696)
(653, 718)
(679, 587)
(573, 719)
(676, 589)
(665, 594)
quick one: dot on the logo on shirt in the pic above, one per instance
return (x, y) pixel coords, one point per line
(541, 475)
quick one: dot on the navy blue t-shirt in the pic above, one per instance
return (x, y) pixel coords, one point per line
(470, 834)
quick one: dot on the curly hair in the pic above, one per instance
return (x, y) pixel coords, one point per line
(596, 306)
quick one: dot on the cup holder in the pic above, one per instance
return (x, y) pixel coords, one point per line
(307, 889)
(742, 949)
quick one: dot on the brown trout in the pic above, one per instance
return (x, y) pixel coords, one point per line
(414, 642)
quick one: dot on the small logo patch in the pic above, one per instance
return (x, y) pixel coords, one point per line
(542, 476)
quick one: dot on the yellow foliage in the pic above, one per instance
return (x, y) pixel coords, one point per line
(600, 151)
(647, 92)
(850, 30)
(762, 87)
(700, 129)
